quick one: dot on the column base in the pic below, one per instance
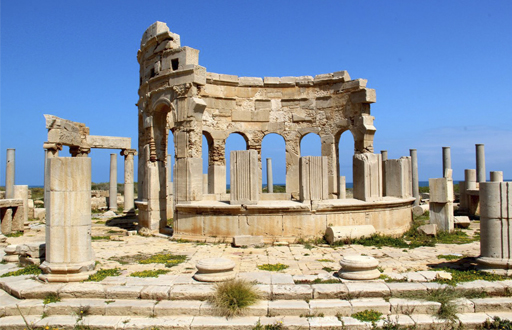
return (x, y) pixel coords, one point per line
(497, 266)
(62, 272)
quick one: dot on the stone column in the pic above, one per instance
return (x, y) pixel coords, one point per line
(292, 165)
(9, 174)
(129, 207)
(112, 192)
(270, 179)
(480, 163)
(471, 192)
(447, 161)
(367, 169)
(170, 188)
(342, 187)
(69, 255)
(329, 151)
(244, 177)
(415, 177)
(21, 192)
(217, 167)
(495, 227)
(497, 176)
(384, 156)
(51, 150)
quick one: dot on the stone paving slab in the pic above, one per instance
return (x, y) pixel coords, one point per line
(294, 291)
(330, 307)
(406, 306)
(472, 320)
(501, 304)
(216, 323)
(178, 307)
(288, 322)
(288, 307)
(329, 291)
(131, 308)
(324, 322)
(376, 304)
(27, 307)
(17, 322)
(180, 322)
(367, 289)
(191, 292)
(82, 290)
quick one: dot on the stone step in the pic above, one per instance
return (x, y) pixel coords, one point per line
(325, 307)
(418, 321)
(282, 287)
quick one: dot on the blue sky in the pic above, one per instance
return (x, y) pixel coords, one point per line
(442, 69)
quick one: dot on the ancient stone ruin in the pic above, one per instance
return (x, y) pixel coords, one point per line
(178, 96)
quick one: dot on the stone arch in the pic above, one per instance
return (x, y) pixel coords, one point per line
(308, 151)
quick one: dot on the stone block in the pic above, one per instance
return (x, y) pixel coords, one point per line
(247, 240)
(441, 214)
(250, 81)
(217, 322)
(178, 307)
(245, 177)
(330, 307)
(290, 292)
(313, 178)
(366, 95)
(398, 177)
(376, 304)
(429, 230)
(441, 190)
(130, 308)
(191, 292)
(271, 81)
(461, 221)
(288, 307)
(330, 291)
(188, 179)
(367, 289)
(407, 306)
(339, 233)
(367, 171)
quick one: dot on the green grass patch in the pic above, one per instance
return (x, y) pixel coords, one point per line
(273, 267)
(231, 298)
(318, 281)
(101, 274)
(469, 275)
(99, 238)
(28, 270)
(169, 259)
(15, 234)
(149, 273)
(51, 298)
(325, 260)
(497, 323)
(368, 315)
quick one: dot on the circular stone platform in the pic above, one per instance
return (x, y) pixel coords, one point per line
(215, 270)
(359, 268)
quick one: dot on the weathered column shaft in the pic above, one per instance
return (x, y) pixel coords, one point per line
(217, 167)
(384, 157)
(69, 254)
(329, 151)
(51, 150)
(398, 177)
(128, 181)
(270, 179)
(9, 174)
(367, 169)
(342, 187)
(21, 192)
(447, 161)
(244, 177)
(415, 178)
(112, 192)
(314, 178)
(480, 163)
(292, 166)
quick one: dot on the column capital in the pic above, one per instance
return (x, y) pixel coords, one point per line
(52, 146)
(128, 152)
(79, 151)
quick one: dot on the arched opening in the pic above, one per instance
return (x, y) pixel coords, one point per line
(345, 153)
(207, 143)
(235, 141)
(310, 145)
(170, 157)
(273, 147)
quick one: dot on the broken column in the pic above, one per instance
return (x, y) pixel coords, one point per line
(51, 150)
(217, 167)
(342, 187)
(384, 155)
(398, 177)
(367, 171)
(244, 177)
(414, 175)
(313, 178)
(21, 192)
(480, 163)
(495, 229)
(447, 161)
(9, 174)
(69, 255)
(497, 176)
(170, 189)
(112, 192)
(270, 179)
(129, 206)
(471, 192)
(441, 203)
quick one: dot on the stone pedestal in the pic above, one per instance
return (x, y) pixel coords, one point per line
(10, 254)
(215, 270)
(367, 171)
(441, 203)
(244, 177)
(398, 177)
(359, 268)
(314, 184)
(69, 255)
(9, 174)
(495, 227)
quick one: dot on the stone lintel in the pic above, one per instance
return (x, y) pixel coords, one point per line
(366, 95)
(109, 142)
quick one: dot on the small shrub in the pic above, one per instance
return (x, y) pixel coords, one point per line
(278, 325)
(233, 297)
(317, 281)
(368, 315)
(101, 274)
(51, 298)
(28, 270)
(448, 257)
(497, 323)
(273, 267)
(149, 273)
(469, 275)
